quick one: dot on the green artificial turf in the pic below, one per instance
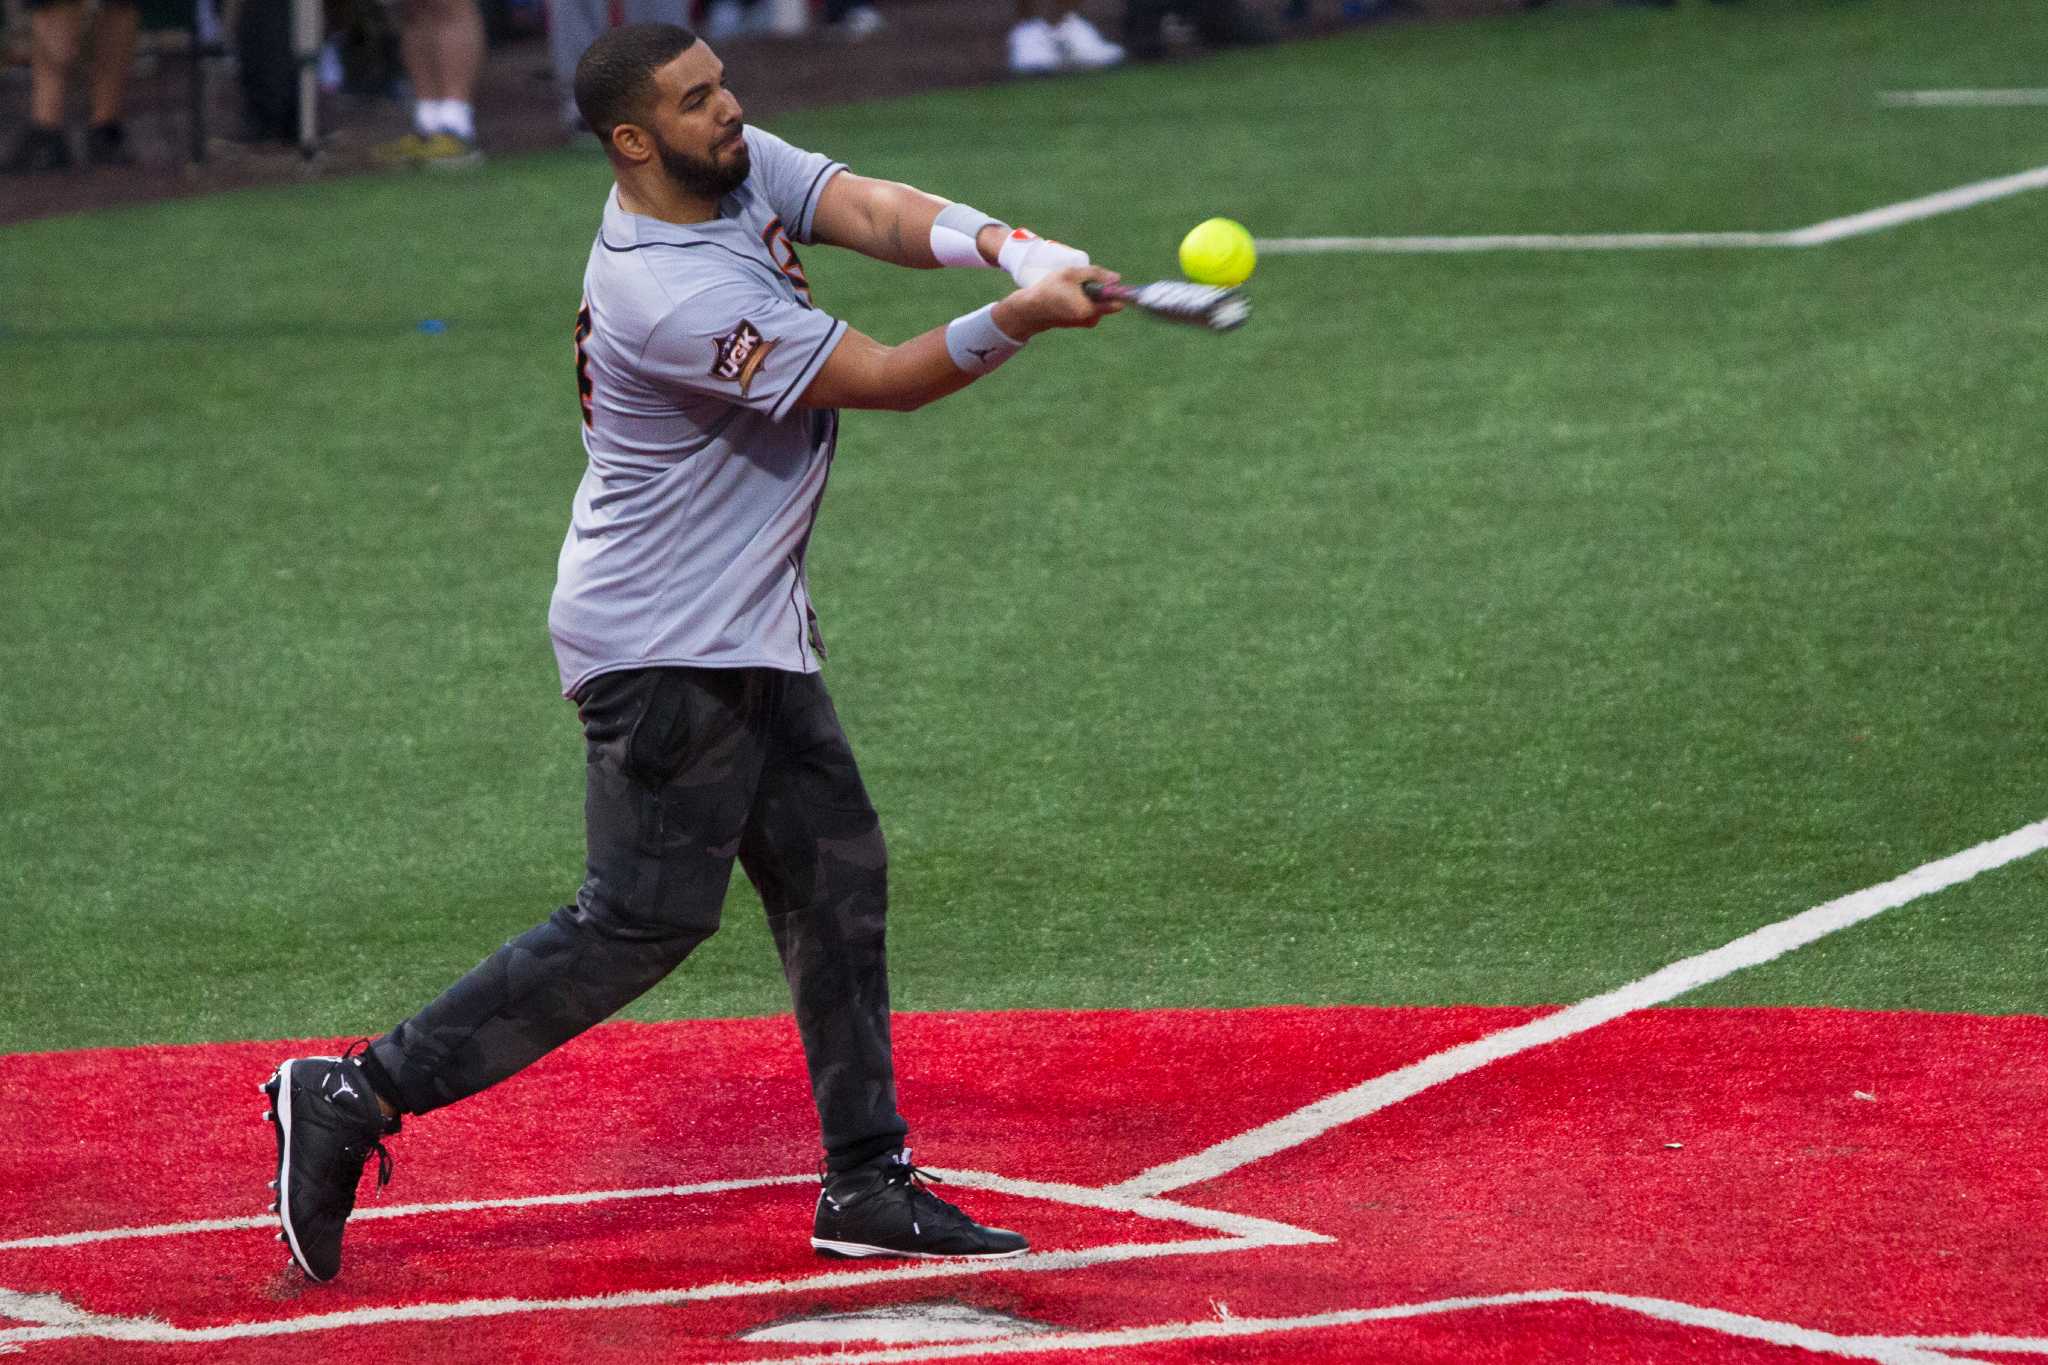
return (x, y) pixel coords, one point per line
(1468, 628)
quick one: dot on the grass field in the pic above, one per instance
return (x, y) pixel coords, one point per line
(1483, 629)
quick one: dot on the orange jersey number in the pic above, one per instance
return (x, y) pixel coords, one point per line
(783, 252)
(583, 359)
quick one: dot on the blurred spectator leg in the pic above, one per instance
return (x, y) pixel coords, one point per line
(573, 25)
(725, 20)
(113, 57)
(267, 71)
(442, 42)
(54, 31)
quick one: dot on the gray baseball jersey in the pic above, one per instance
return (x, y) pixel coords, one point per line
(687, 538)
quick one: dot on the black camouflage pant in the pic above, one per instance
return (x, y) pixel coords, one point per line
(688, 767)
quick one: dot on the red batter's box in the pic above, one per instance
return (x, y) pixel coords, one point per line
(1683, 1184)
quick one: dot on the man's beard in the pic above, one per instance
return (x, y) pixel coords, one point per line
(702, 177)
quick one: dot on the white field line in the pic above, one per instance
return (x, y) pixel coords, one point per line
(56, 1319)
(113, 1328)
(1518, 241)
(68, 1239)
(1978, 1341)
(1960, 99)
(1347, 1106)
(1210, 1329)
(1816, 234)
(1264, 1232)
(1928, 206)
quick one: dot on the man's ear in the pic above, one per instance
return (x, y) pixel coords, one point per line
(631, 141)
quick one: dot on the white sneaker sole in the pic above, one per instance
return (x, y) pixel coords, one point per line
(856, 1250)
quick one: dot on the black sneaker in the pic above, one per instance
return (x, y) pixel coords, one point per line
(106, 144)
(40, 150)
(885, 1210)
(327, 1125)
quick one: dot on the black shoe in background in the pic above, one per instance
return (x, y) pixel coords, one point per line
(328, 1124)
(1226, 23)
(1144, 35)
(106, 144)
(884, 1209)
(41, 150)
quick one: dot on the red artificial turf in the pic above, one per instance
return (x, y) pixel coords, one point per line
(1859, 1173)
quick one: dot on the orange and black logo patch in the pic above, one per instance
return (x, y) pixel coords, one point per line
(740, 355)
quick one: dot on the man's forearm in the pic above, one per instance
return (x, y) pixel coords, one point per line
(900, 220)
(862, 373)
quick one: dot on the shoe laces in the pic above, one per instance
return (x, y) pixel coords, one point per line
(383, 1158)
(916, 1181)
(898, 1170)
(917, 1177)
(375, 1144)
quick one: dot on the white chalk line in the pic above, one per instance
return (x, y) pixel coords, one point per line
(151, 1330)
(68, 1239)
(1265, 1231)
(1773, 940)
(1977, 1341)
(1961, 99)
(1890, 1352)
(55, 1319)
(60, 1320)
(1816, 234)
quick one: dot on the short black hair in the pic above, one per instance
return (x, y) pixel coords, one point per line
(617, 72)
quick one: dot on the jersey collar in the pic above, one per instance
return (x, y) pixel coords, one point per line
(623, 230)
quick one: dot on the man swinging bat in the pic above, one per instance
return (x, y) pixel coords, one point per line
(710, 388)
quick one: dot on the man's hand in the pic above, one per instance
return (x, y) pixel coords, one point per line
(1056, 300)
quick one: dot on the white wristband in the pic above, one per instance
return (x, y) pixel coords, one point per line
(955, 234)
(976, 344)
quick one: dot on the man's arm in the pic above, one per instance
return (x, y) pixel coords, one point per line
(863, 373)
(888, 221)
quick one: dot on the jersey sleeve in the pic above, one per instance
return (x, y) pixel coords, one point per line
(790, 179)
(739, 341)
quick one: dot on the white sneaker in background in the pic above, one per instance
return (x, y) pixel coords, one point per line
(1033, 49)
(1081, 45)
(862, 21)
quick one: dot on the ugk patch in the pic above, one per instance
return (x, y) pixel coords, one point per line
(740, 355)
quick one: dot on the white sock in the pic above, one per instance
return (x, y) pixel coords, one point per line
(459, 117)
(446, 116)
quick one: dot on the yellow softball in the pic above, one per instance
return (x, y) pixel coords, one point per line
(1218, 251)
